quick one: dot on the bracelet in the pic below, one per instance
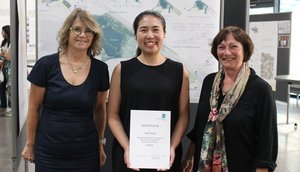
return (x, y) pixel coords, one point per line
(102, 140)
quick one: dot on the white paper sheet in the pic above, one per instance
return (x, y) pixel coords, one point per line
(149, 142)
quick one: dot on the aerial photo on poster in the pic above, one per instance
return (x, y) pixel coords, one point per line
(191, 26)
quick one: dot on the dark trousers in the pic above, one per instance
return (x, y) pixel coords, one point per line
(3, 96)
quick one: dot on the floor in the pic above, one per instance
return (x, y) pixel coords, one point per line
(289, 141)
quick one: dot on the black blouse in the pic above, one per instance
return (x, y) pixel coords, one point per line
(250, 129)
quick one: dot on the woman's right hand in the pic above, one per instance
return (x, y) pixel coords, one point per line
(28, 153)
(187, 165)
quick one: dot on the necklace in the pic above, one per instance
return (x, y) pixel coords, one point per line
(75, 69)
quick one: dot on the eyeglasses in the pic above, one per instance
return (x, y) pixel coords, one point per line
(78, 30)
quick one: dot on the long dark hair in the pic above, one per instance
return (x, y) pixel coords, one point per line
(140, 17)
(6, 39)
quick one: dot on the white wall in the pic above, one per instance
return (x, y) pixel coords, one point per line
(4, 13)
(294, 7)
(295, 37)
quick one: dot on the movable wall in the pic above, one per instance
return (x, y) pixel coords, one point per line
(271, 34)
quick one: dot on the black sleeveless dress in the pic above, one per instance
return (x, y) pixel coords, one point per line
(67, 138)
(148, 88)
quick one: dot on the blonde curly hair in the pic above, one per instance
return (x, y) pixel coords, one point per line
(90, 22)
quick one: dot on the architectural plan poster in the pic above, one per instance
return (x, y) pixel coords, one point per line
(264, 58)
(191, 26)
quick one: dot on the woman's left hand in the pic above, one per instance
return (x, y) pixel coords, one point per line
(102, 155)
(172, 157)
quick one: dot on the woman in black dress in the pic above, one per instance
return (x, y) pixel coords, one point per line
(235, 128)
(149, 81)
(68, 90)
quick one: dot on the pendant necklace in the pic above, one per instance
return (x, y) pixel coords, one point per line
(75, 69)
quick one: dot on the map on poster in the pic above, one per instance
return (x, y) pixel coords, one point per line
(191, 26)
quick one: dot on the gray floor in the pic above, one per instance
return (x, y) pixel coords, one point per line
(289, 141)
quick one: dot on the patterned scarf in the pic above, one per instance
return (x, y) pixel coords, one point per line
(213, 155)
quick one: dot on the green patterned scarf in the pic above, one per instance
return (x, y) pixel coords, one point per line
(213, 155)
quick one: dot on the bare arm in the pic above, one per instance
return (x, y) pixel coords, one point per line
(100, 118)
(100, 112)
(114, 121)
(1, 64)
(35, 101)
(183, 120)
(6, 54)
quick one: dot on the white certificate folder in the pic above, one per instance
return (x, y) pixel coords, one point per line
(149, 142)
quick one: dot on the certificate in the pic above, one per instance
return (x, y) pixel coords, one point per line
(149, 142)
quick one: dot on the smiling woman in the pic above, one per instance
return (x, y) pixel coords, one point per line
(149, 81)
(236, 127)
(71, 86)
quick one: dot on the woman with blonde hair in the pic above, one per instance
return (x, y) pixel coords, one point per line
(69, 89)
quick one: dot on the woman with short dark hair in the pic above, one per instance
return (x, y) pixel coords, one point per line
(236, 127)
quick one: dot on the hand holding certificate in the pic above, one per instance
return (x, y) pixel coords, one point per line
(149, 145)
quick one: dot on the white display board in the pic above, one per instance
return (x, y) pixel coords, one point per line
(4, 14)
(22, 64)
(191, 26)
(264, 58)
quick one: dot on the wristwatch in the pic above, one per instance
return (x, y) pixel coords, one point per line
(102, 140)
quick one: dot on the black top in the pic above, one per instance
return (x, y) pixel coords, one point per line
(67, 138)
(250, 128)
(146, 87)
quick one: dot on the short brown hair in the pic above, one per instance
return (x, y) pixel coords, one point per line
(90, 22)
(239, 34)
